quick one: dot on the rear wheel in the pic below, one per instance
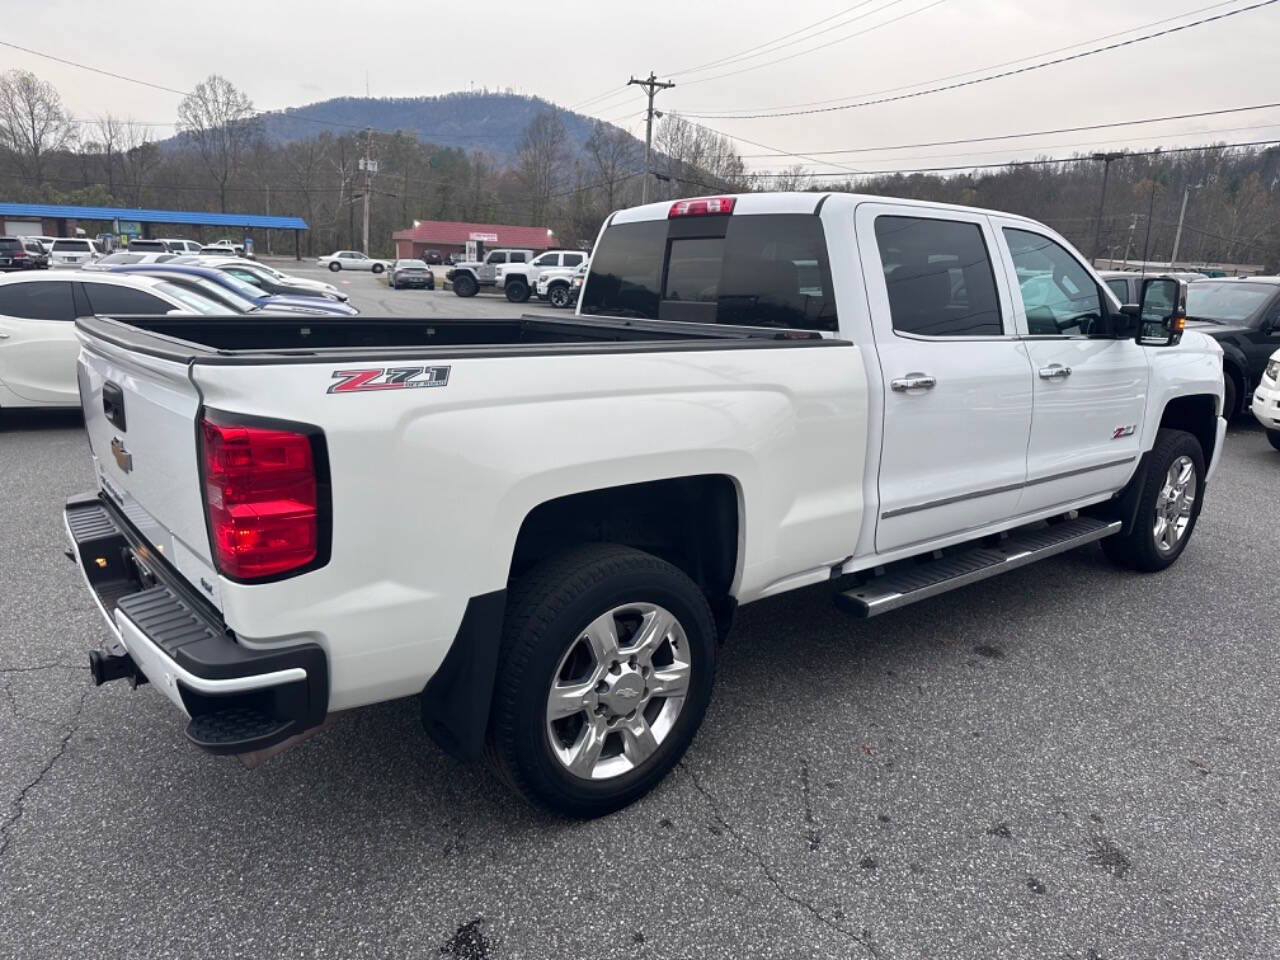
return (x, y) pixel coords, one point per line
(335, 266)
(605, 672)
(1273, 436)
(1168, 505)
(464, 285)
(517, 291)
(558, 295)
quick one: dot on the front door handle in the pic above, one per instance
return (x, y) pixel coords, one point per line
(4, 336)
(1055, 371)
(913, 381)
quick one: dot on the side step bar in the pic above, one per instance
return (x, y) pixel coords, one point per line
(903, 585)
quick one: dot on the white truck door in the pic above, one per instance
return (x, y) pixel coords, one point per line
(1090, 389)
(957, 380)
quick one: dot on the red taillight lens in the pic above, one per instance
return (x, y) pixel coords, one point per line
(701, 207)
(261, 491)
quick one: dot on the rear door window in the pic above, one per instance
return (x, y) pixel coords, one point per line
(110, 299)
(40, 300)
(939, 277)
(572, 260)
(767, 270)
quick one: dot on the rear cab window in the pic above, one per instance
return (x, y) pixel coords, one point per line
(759, 270)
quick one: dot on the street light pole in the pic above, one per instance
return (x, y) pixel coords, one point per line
(1106, 159)
(1177, 236)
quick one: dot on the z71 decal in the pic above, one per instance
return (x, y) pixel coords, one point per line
(388, 378)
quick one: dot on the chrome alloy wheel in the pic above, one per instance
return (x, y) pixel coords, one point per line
(617, 691)
(1175, 504)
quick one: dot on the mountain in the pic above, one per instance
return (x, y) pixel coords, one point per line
(490, 122)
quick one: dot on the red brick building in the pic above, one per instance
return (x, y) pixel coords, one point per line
(451, 236)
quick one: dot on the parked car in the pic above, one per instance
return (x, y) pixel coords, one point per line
(120, 258)
(277, 304)
(73, 252)
(1266, 400)
(37, 253)
(143, 245)
(1127, 284)
(411, 273)
(351, 260)
(291, 280)
(432, 257)
(46, 242)
(1243, 315)
(223, 248)
(14, 254)
(556, 285)
(180, 246)
(271, 281)
(518, 280)
(469, 276)
(875, 411)
(38, 344)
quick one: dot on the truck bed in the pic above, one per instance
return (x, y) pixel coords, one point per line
(277, 339)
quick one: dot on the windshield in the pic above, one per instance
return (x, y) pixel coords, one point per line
(765, 270)
(217, 292)
(242, 287)
(190, 298)
(1209, 300)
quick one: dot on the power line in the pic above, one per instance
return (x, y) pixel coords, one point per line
(1032, 133)
(995, 76)
(1006, 63)
(829, 43)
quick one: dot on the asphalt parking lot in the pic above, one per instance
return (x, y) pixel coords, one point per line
(1065, 762)
(372, 297)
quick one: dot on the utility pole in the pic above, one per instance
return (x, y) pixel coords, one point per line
(1106, 159)
(1177, 237)
(370, 167)
(651, 87)
(1133, 225)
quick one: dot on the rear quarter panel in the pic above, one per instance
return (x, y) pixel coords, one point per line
(431, 486)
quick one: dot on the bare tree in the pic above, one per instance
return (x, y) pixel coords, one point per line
(613, 153)
(219, 121)
(110, 132)
(698, 159)
(539, 161)
(33, 123)
(138, 159)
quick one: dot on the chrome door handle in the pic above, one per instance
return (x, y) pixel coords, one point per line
(913, 381)
(1055, 371)
(4, 336)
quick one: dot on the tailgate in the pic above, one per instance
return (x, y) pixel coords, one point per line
(140, 413)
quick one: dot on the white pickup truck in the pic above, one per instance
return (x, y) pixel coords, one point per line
(542, 527)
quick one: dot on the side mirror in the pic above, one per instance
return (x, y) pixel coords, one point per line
(1162, 312)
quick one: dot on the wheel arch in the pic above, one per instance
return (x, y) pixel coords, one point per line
(1197, 414)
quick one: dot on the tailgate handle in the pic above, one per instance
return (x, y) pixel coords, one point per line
(113, 404)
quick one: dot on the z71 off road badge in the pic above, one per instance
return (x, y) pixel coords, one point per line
(388, 378)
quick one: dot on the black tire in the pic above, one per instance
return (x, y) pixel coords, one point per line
(547, 610)
(377, 268)
(1138, 549)
(1273, 437)
(334, 266)
(559, 295)
(517, 291)
(1230, 396)
(464, 285)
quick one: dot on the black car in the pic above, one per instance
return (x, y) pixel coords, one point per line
(1243, 315)
(432, 257)
(14, 254)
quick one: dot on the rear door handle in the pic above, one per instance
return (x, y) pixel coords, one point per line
(1055, 371)
(913, 381)
(4, 336)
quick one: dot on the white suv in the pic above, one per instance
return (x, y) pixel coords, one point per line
(72, 252)
(1266, 400)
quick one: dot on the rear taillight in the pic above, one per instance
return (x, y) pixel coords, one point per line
(18, 255)
(701, 207)
(261, 490)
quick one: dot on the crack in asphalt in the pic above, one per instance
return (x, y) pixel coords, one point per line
(19, 802)
(13, 704)
(45, 666)
(863, 939)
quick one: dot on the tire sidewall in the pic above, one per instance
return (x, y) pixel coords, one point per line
(1179, 444)
(559, 291)
(334, 267)
(377, 268)
(517, 291)
(1230, 398)
(464, 286)
(534, 752)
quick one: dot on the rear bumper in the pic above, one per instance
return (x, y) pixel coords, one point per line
(238, 699)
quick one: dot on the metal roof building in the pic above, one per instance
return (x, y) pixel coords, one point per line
(47, 211)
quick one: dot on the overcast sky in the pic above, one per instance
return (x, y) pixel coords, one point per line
(288, 52)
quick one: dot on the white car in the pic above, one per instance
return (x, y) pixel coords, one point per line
(124, 257)
(1266, 400)
(38, 343)
(557, 285)
(261, 269)
(757, 394)
(72, 252)
(351, 260)
(180, 246)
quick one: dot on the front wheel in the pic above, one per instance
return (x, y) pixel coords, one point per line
(378, 268)
(1230, 397)
(464, 285)
(605, 672)
(1168, 505)
(559, 295)
(1273, 437)
(335, 266)
(517, 291)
